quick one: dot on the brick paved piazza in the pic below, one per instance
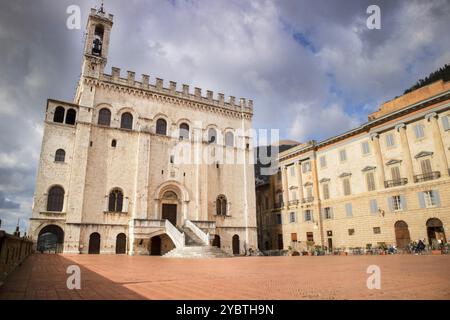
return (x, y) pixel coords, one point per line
(147, 277)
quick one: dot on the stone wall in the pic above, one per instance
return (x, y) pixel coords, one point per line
(13, 251)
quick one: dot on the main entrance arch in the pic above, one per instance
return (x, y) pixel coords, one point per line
(402, 236)
(435, 231)
(171, 202)
(51, 239)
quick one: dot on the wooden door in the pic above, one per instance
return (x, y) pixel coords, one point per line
(169, 212)
(236, 244)
(402, 234)
(94, 243)
(121, 243)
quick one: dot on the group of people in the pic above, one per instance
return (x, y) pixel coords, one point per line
(417, 247)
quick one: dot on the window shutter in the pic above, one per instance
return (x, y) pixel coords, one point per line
(390, 204)
(446, 123)
(421, 199)
(348, 209)
(403, 202)
(322, 211)
(436, 197)
(373, 206)
(331, 213)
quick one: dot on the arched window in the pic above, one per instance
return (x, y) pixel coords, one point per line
(60, 155)
(104, 117)
(161, 126)
(115, 201)
(212, 135)
(113, 143)
(97, 43)
(55, 200)
(71, 116)
(59, 115)
(229, 139)
(184, 131)
(221, 205)
(126, 122)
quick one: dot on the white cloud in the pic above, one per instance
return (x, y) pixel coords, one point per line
(323, 121)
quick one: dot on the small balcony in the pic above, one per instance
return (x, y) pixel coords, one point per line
(278, 205)
(395, 183)
(427, 176)
(293, 202)
(307, 199)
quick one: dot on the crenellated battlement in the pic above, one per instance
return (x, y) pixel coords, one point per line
(157, 85)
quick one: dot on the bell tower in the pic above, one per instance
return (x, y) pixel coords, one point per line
(96, 46)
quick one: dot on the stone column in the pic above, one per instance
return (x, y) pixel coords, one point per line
(298, 172)
(317, 207)
(285, 186)
(375, 138)
(407, 160)
(442, 164)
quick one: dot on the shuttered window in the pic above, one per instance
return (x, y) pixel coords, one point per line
(346, 186)
(370, 179)
(426, 166)
(390, 142)
(342, 155)
(395, 173)
(419, 131)
(365, 148)
(349, 210)
(294, 237)
(326, 191)
(446, 122)
(373, 207)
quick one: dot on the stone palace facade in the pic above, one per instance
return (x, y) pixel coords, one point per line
(138, 167)
(387, 181)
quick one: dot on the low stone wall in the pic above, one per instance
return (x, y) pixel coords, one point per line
(13, 251)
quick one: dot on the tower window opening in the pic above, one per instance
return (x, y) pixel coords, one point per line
(97, 43)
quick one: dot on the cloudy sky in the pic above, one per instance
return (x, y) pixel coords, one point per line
(313, 68)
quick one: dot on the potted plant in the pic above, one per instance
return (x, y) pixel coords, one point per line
(383, 247)
(369, 249)
(436, 249)
(310, 245)
(342, 252)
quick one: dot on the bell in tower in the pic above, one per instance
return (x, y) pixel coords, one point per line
(98, 41)
(98, 31)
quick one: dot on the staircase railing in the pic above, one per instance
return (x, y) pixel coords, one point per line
(176, 236)
(198, 232)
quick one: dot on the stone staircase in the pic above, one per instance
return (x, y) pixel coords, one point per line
(197, 252)
(195, 248)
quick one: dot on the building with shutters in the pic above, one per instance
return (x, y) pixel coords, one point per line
(139, 167)
(386, 181)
